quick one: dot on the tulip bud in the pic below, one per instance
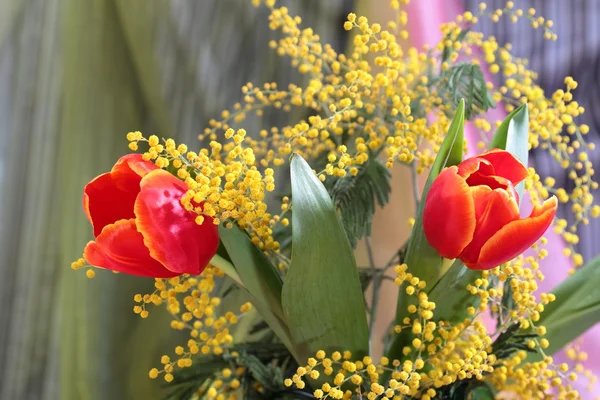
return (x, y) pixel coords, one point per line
(140, 225)
(472, 211)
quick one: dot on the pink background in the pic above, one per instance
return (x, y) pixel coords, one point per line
(424, 19)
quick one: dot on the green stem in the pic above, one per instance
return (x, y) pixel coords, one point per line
(374, 297)
(374, 304)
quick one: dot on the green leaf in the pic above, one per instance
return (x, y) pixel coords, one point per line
(259, 277)
(468, 389)
(480, 392)
(227, 268)
(255, 270)
(576, 309)
(322, 297)
(423, 260)
(450, 293)
(513, 136)
(355, 197)
(264, 363)
(508, 303)
(466, 81)
(510, 340)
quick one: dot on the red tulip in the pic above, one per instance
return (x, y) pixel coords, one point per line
(472, 211)
(140, 226)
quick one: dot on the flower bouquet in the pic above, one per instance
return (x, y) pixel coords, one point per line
(251, 240)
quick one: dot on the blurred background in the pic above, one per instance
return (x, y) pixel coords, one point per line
(77, 75)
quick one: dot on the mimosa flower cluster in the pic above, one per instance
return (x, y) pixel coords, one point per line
(194, 306)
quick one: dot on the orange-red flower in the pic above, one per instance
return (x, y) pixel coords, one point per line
(140, 226)
(472, 211)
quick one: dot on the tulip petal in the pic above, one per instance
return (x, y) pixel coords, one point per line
(449, 214)
(480, 199)
(517, 236)
(120, 247)
(506, 165)
(475, 164)
(110, 197)
(105, 203)
(494, 209)
(492, 181)
(169, 230)
(130, 169)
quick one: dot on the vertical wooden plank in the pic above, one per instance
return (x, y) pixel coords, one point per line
(11, 13)
(27, 256)
(102, 101)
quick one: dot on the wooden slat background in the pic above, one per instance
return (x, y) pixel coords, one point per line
(75, 76)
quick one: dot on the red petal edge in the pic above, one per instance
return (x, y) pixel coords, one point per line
(449, 214)
(110, 197)
(472, 165)
(129, 170)
(495, 209)
(120, 247)
(517, 236)
(506, 165)
(104, 203)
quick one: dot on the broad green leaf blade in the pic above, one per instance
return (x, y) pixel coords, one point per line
(576, 309)
(422, 259)
(322, 297)
(451, 150)
(255, 270)
(562, 331)
(259, 278)
(450, 293)
(513, 136)
(227, 268)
